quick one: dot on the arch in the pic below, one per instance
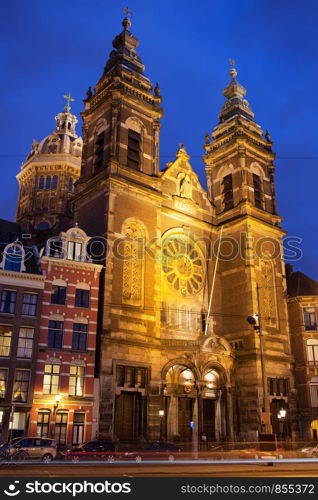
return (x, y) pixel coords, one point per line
(184, 362)
(80, 319)
(83, 286)
(56, 317)
(257, 169)
(100, 126)
(135, 124)
(13, 257)
(225, 170)
(59, 282)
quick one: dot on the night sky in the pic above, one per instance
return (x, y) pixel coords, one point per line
(51, 47)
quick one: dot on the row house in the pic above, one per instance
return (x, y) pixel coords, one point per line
(21, 288)
(302, 309)
(63, 404)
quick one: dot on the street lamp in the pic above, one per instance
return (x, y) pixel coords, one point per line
(161, 415)
(256, 321)
(57, 402)
(281, 419)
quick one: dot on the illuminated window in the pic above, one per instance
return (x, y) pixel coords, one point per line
(21, 386)
(312, 351)
(43, 424)
(51, 380)
(76, 387)
(5, 340)
(3, 382)
(60, 427)
(25, 342)
(310, 318)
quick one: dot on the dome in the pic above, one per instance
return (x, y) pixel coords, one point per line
(62, 140)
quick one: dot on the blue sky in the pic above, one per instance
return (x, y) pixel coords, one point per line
(50, 47)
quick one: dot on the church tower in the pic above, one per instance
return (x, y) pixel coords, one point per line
(47, 178)
(240, 178)
(120, 131)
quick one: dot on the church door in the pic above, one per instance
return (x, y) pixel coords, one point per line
(209, 419)
(185, 417)
(128, 416)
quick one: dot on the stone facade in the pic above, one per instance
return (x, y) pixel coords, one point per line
(182, 265)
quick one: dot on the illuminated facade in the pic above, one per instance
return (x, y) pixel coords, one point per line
(182, 265)
(47, 177)
(65, 388)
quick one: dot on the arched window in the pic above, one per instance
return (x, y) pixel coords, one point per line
(133, 262)
(312, 351)
(227, 191)
(70, 185)
(13, 258)
(48, 182)
(258, 191)
(41, 183)
(54, 182)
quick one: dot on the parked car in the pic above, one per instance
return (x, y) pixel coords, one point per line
(310, 451)
(157, 450)
(29, 448)
(92, 450)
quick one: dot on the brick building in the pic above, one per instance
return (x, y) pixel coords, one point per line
(64, 397)
(21, 287)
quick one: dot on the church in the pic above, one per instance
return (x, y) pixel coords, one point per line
(183, 266)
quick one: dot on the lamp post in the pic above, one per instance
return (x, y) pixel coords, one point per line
(57, 402)
(256, 322)
(161, 415)
(281, 421)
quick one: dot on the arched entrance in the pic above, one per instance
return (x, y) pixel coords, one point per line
(194, 404)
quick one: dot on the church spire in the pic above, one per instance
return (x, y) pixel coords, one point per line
(235, 104)
(124, 53)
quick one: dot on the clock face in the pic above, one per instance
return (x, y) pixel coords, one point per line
(183, 264)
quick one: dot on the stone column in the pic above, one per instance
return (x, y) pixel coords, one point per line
(172, 417)
(218, 422)
(229, 414)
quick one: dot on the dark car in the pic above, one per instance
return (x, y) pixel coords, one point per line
(92, 450)
(157, 450)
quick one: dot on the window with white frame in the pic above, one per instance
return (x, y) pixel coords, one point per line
(310, 318)
(29, 305)
(25, 342)
(314, 391)
(77, 375)
(51, 380)
(5, 340)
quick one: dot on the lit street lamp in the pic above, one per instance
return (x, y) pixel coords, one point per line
(161, 415)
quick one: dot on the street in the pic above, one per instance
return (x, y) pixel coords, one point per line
(285, 469)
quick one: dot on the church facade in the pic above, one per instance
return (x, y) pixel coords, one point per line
(183, 267)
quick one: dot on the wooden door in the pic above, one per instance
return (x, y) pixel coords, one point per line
(209, 418)
(185, 407)
(128, 416)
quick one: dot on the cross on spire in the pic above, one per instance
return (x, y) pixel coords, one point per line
(69, 99)
(232, 62)
(127, 11)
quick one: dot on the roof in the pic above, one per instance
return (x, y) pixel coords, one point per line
(299, 284)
